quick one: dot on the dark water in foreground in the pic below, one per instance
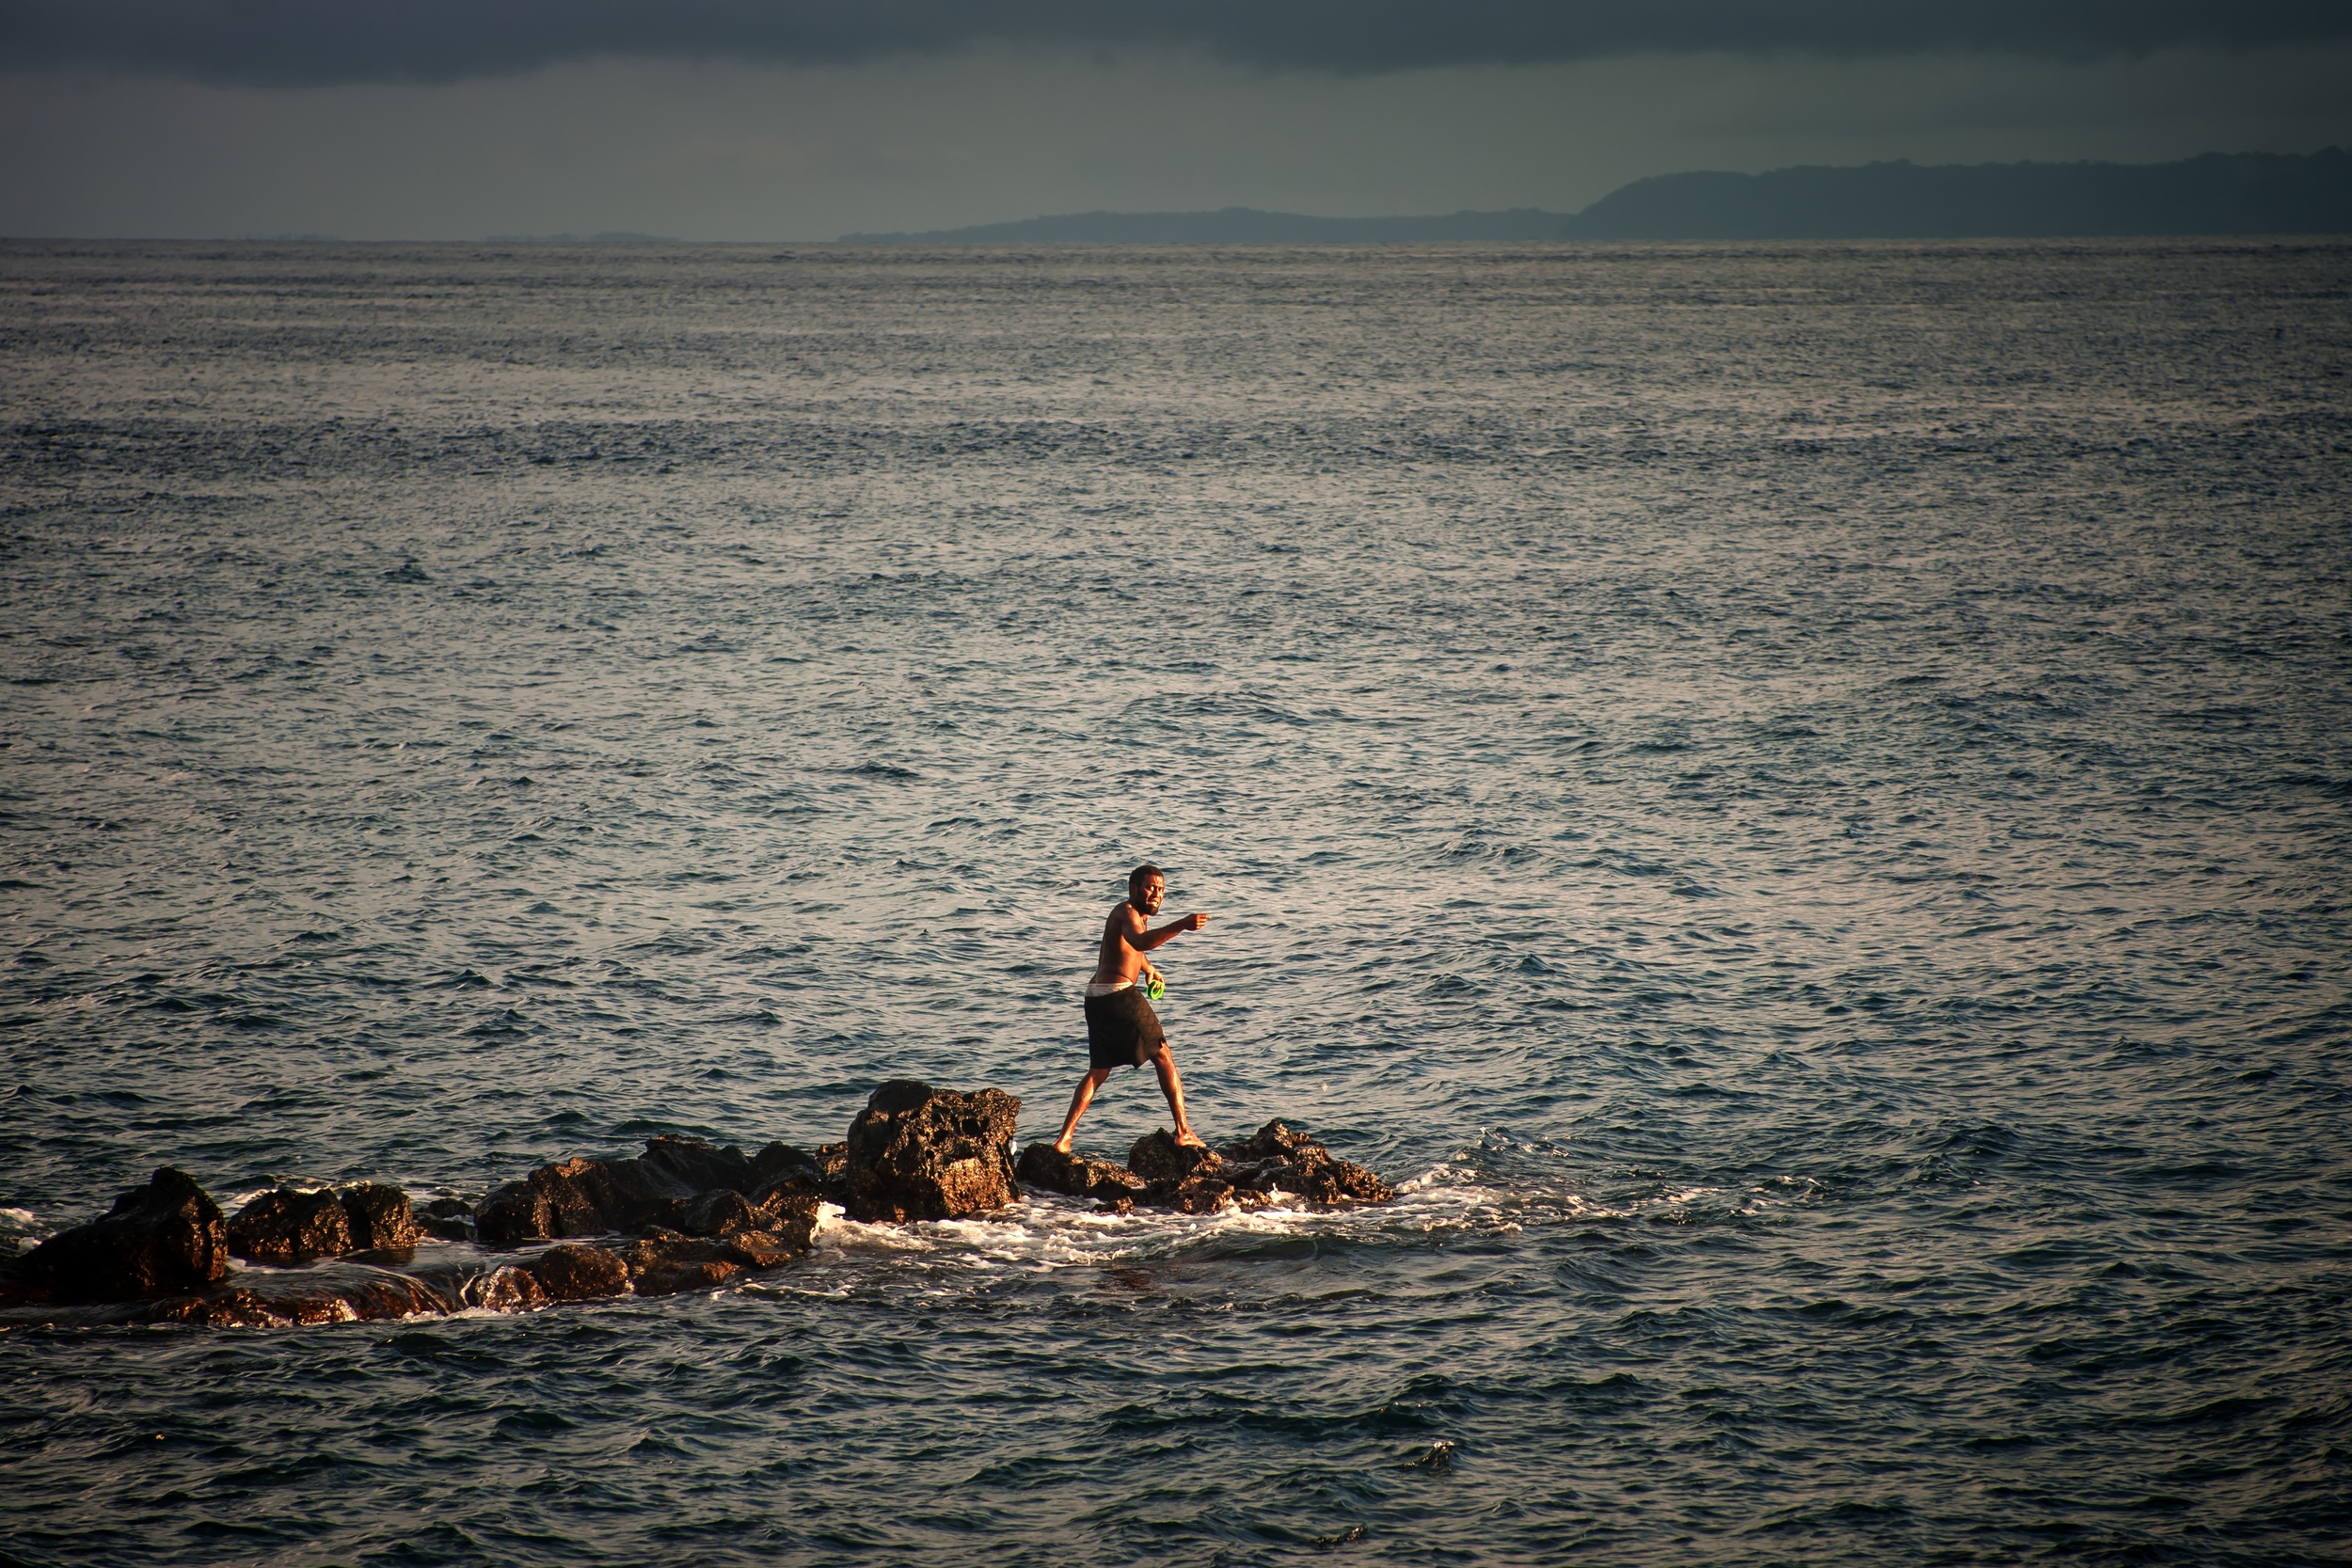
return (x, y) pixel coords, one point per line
(1796, 799)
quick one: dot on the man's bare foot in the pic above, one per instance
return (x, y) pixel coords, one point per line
(1189, 1139)
(1063, 1148)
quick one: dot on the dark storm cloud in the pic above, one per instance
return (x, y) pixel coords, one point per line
(316, 43)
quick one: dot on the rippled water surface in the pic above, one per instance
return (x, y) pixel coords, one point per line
(1795, 799)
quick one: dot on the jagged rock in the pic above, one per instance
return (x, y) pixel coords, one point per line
(380, 1216)
(1159, 1160)
(161, 1239)
(598, 1197)
(1189, 1180)
(287, 1227)
(920, 1153)
(449, 1218)
(568, 1272)
(833, 1160)
(1276, 1157)
(664, 1266)
(1043, 1165)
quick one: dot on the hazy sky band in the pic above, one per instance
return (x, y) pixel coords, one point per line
(329, 43)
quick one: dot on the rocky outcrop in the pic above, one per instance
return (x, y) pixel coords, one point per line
(157, 1240)
(699, 1217)
(1043, 1165)
(920, 1153)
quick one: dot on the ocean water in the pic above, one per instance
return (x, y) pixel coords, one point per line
(1795, 799)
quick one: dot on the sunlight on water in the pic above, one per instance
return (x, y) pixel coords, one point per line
(1792, 798)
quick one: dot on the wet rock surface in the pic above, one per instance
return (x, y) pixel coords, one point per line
(288, 1226)
(568, 1273)
(920, 1153)
(165, 1237)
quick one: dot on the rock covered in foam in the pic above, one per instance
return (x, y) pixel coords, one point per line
(920, 1153)
(1276, 1157)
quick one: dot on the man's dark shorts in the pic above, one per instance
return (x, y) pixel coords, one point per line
(1121, 1029)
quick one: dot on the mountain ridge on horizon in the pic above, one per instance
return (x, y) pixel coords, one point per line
(2214, 193)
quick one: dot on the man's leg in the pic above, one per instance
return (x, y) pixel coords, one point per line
(1173, 1086)
(1078, 1102)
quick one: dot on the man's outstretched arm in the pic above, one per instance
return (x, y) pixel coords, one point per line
(1144, 942)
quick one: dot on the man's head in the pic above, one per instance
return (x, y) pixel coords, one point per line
(1146, 886)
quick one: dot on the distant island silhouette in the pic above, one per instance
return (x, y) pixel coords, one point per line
(2219, 192)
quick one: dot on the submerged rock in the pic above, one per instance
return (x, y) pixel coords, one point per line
(665, 1266)
(1043, 1165)
(449, 1219)
(158, 1239)
(920, 1153)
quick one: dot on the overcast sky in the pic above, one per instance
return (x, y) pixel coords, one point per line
(795, 119)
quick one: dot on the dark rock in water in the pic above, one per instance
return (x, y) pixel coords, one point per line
(448, 1218)
(1177, 1175)
(568, 1272)
(342, 1294)
(1276, 1158)
(698, 1166)
(164, 1238)
(920, 1153)
(833, 1160)
(381, 1218)
(1158, 1160)
(664, 1267)
(505, 1290)
(597, 1197)
(1043, 1165)
(288, 1226)
(720, 1213)
(780, 1162)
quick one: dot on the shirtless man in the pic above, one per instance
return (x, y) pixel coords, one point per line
(1121, 1029)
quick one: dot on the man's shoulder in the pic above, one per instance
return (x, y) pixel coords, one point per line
(1125, 914)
